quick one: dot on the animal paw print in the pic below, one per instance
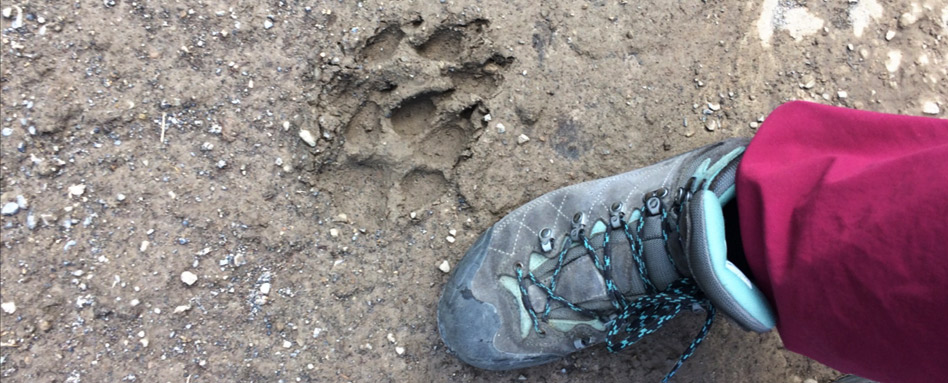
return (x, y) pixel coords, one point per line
(408, 111)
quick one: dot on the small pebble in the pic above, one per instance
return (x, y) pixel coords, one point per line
(10, 208)
(907, 19)
(287, 344)
(711, 125)
(449, 238)
(842, 94)
(267, 24)
(265, 288)
(808, 82)
(8, 307)
(889, 35)
(487, 117)
(188, 278)
(714, 107)
(181, 309)
(308, 137)
(6, 132)
(453, 232)
(399, 350)
(221, 164)
(77, 190)
(334, 232)
(929, 107)
(445, 266)
(501, 128)
(810, 380)
(144, 246)
(522, 139)
(7, 12)
(30, 220)
(391, 337)
(754, 124)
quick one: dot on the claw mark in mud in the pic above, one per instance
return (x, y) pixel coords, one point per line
(399, 120)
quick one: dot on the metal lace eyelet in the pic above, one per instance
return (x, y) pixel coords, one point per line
(546, 239)
(653, 206)
(518, 266)
(579, 224)
(616, 214)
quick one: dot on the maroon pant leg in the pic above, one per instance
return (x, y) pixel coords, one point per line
(844, 217)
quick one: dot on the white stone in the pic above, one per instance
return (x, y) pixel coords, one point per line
(522, 139)
(907, 19)
(391, 337)
(7, 12)
(450, 239)
(453, 232)
(77, 190)
(188, 278)
(144, 246)
(842, 94)
(445, 266)
(265, 288)
(8, 307)
(895, 59)
(308, 137)
(487, 117)
(181, 309)
(10, 208)
(930, 107)
(889, 35)
(334, 232)
(287, 344)
(399, 350)
(501, 128)
(267, 24)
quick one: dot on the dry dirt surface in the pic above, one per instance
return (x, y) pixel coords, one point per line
(264, 191)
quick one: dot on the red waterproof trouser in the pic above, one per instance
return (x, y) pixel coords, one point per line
(844, 218)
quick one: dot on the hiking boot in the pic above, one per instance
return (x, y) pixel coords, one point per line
(609, 260)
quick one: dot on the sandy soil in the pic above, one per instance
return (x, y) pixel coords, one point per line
(304, 163)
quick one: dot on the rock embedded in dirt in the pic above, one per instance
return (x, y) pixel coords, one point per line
(188, 278)
(445, 266)
(523, 139)
(930, 108)
(10, 208)
(77, 190)
(308, 137)
(8, 307)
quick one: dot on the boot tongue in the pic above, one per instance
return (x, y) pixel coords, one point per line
(724, 284)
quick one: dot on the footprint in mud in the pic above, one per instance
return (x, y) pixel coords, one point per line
(412, 107)
(419, 187)
(414, 116)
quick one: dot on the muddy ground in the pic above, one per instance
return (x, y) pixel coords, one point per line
(307, 166)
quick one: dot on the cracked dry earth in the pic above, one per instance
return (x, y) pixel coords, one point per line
(243, 191)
